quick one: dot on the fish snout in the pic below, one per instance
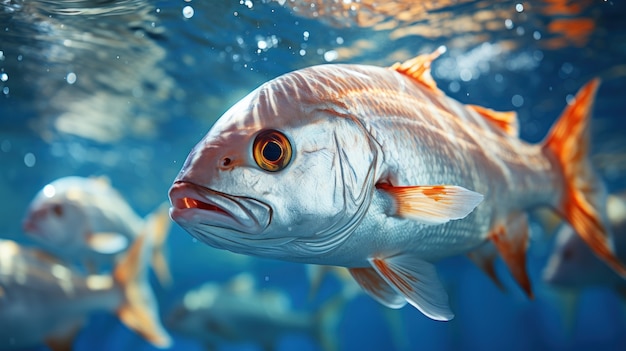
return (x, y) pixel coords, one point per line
(29, 226)
(194, 206)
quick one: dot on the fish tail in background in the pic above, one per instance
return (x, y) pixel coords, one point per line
(582, 203)
(317, 273)
(158, 225)
(327, 318)
(139, 310)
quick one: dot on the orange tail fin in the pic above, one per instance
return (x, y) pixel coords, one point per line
(158, 224)
(139, 310)
(581, 204)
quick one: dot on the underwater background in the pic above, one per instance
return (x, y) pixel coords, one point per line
(126, 88)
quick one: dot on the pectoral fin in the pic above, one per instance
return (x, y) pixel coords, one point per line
(377, 287)
(107, 243)
(433, 204)
(417, 281)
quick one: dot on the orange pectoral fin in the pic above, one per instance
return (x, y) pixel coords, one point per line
(511, 242)
(436, 204)
(377, 287)
(417, 281)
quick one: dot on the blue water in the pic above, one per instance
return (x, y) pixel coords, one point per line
(126, 88)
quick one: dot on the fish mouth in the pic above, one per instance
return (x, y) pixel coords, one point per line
(188, 202)
(199, 209)
(29, 227)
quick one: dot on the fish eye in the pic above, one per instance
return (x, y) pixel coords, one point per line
(57, 210)
(568, 254)
(271, 150)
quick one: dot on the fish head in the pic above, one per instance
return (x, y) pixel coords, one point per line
(54, 217)
(286, 164)
(572, 264)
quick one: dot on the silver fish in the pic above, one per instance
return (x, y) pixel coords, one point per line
(42, 298)
(87, 220)
(238, 312)
(377, 170)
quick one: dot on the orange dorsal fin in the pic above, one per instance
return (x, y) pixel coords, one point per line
(505, 120)
(568, 142)
(432, 204)
(511, 241)
(418, 68)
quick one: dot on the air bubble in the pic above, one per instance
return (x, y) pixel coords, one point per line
(29, 159)
(188, 11)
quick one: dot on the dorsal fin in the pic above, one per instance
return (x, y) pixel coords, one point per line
(505, 120)
(102, 180)
(418, 68)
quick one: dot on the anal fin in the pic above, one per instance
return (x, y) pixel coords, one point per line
(417, 281)
(511, 241)
(485, 257)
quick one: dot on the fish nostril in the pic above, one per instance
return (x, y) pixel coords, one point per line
(226, 163)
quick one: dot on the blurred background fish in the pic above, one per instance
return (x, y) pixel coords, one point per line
(572, 272)
(87, 220)
(44, 300)
(124, 88)
(238, 312)
(572, 265)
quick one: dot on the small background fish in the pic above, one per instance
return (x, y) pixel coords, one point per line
(238, 313)
(88, 222)
(130, 98)
(572, 270)
(43, 300)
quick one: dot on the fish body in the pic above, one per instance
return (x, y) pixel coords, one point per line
(43, 299)
(375, 169)
(237, 312)
(88, 220)
(40, 296)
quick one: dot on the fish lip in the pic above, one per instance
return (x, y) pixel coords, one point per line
(194, 205)
(28, 227)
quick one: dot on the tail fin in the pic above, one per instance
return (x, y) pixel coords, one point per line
(328, 317)
(581, 205)
(139, 310)
(158, 225)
